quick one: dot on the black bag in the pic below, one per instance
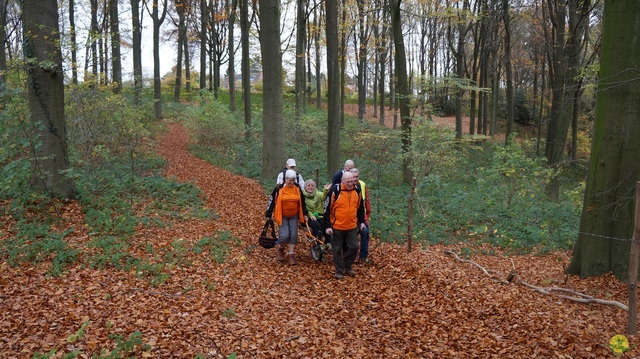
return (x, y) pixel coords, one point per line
(265, 240)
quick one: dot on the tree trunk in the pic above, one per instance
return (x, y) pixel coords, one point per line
(3, 35)
(137, 50)
(460, 58)
(157, 85)
(46, 97)
(507, 68)
(72, 33)
(566, 63)
(204, 22)
(608, 212)
(245, 70)
(182, 38)
(362, 61)
(187, 67)
(317, 25)
(231, 70)
(343, 60)
(333, 88)
(403, 89)
(301, 21)
(116, 59)
(382, 53)
(272, 102)
(94, 39)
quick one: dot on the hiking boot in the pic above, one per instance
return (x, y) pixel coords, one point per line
(281, 254)
(339, 275)
(292, 260)
(351, 272)
(366, 261)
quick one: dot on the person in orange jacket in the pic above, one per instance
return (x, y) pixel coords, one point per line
(287, 208)
(343, 216)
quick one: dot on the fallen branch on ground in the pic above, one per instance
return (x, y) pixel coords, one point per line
(577, 297)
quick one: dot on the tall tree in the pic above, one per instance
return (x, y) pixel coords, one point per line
(382, 50)
(94, 34)
(245, 69)
(204, 21)
(507, 67)
(272, 102)
(569, 18)
(136, 34)
(231, 70)
(333, 87)
(116, 59)
(403, 89)
(3, 35)
(72, 33)
(317, 25)
(158, 18)
(463, 26)
(301, 36)
(363, 36)
(343, 59)
(46, 96)
(609, 201)
(187, 66)
(182, 39)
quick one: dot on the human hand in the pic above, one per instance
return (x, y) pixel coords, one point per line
(329, 231)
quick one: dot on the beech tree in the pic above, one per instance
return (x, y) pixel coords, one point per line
(608, 210)
(569, 20)
(116, 59)
(204, 21)
(272, 102)
(244, 67)
(301, 36)
(158, 18)
(333, 87)
(45, 85)
(403, 89)
(136, 30)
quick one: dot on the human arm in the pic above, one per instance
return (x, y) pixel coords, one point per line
(367, 206)
(272, 201)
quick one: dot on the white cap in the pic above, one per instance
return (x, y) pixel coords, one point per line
(291, 162)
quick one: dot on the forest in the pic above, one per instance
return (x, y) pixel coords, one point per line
(497, 140)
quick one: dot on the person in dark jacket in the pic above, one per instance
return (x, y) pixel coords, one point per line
(287, 208)
(364, 233)
(337, 177)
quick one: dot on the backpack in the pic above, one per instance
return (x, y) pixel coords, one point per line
(284, 170)
(335, 188)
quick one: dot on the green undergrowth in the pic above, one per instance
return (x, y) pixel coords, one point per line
(473, 190)
(120, 187)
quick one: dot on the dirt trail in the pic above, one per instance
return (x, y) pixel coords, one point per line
(419, 304)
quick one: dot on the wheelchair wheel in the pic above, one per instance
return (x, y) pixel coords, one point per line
(317, 251)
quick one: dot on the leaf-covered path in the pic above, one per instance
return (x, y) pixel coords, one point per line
(422, 304)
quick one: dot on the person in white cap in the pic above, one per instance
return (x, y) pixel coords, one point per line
(290, 165)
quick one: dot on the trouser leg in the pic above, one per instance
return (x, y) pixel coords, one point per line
(352, 243)
(364, 243)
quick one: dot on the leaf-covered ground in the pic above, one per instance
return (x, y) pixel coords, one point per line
(419, 304)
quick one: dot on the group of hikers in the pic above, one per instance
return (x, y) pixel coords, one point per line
(338, 215)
